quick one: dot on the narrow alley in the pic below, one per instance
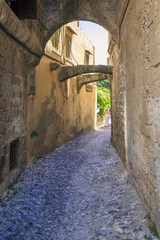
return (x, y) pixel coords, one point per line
(77, 192)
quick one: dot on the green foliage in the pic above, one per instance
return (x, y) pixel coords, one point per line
(33, 134)
(104, 84)
(148, 237)
(3, 204)
(34, 161)
(153, 229)
(17, 181)
(15, 192)
(152, 226)
(104, 89)
(147, 216)
(137, 229)
(10, 187)
(103, 100)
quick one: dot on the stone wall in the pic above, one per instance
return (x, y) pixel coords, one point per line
(16, 36)
(57, 113)
(27, 32)
(102, 12)
(117, 104)
(136, 93)
(13, 82)
(36, 25)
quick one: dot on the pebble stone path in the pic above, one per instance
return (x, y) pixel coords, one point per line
(77, 192)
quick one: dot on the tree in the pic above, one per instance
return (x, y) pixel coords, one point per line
(104, 84)
(103, 100)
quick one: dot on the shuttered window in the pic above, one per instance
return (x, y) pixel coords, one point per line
(56, 40)
(24, 9)
(68, 46)
(86, 59)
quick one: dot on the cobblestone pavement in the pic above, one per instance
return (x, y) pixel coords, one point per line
(77, 192)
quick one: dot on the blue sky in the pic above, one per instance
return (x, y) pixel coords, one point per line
(99, 37)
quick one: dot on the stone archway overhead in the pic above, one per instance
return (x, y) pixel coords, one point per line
(66, 72)
(102, 12)
(90, 78)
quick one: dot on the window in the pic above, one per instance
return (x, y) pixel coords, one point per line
(86, 59)
(89, 87)
(24, 9)
(2, 165)
(68, 46)
(14, 149)
(56, 40)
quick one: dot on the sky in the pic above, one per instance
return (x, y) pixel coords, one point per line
(99, 37)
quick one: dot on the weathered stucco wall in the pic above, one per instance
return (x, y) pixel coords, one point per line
(57, 113)
(136, 90)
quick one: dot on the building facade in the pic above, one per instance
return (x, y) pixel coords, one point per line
(56, 113)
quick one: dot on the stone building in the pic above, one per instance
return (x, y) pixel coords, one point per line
(57, 112)
(134, 53)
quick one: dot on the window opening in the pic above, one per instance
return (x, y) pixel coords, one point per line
(14, 147)
(86, 59)
(68, 46)
(2, 165)
(56, 40)
(24, 9)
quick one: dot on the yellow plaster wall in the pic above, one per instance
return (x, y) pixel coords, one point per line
(56, 112)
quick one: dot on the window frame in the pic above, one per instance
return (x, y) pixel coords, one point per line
(56, 41)
(68, 46)
(87, 60)
(88, 54)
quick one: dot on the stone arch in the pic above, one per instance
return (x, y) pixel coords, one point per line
(102, 12)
